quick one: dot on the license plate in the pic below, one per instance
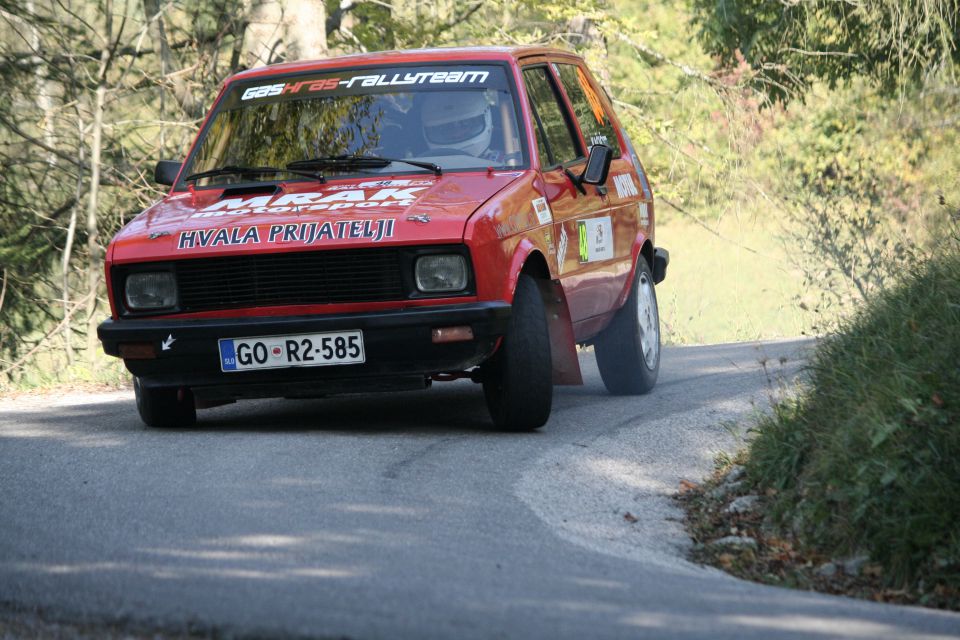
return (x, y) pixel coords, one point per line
(278, 352)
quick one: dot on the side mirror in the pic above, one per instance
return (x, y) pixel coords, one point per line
(597, 169)
(598, 165)
(166, 172)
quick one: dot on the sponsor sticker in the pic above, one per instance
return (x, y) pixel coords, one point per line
(312, 201)
(542, 209)
(561, 248)
(644, 183)
(458, 77)
(595, 105)
(643, 213)
(625, 185)
(305, 233)
(595, 239)
(514, 223)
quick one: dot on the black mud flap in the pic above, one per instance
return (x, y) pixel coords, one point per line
(661, 258)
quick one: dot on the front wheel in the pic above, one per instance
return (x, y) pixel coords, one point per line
(518, 380)
(165, 408)
(628, 351)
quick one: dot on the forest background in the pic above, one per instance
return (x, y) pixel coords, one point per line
(802, 152)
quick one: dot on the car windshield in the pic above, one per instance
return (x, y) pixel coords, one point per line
(460, 117)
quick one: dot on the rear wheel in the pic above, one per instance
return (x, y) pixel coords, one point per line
(165, 408)
(628, 351)
(518, 380)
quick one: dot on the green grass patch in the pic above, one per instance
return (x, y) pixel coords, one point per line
(729, 280)
(867, 457)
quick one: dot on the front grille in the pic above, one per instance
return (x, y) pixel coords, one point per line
(313, 277)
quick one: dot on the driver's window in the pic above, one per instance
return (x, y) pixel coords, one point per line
(555, 140)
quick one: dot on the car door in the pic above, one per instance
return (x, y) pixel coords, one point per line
(560, 148)
(622, 212)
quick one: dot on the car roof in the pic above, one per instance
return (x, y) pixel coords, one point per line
(426, 56)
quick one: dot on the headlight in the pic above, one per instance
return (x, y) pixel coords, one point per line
(151, 290)
(445, 272)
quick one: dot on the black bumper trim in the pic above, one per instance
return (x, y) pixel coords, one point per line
(396, 343)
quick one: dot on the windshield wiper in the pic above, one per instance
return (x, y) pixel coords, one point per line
(359, 162)
(230, 170)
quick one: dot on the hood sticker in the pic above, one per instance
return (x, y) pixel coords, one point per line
(311, 201)
(306, 233)
(596, 239)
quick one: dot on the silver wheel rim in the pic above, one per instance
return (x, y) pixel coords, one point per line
(649, 324)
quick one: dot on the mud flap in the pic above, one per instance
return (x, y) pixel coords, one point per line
(563, 349)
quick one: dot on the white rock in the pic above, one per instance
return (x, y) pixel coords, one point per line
(743, 504)
(853, 565)
(827, 570)
(734, 474)
(734, 541)
(721, 491)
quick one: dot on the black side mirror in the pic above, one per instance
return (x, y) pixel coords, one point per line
(597, 169)
(166, 172)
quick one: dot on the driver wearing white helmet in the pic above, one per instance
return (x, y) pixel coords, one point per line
(461, 121)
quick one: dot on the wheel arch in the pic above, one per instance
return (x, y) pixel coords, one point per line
(530, 261)
(642, 250)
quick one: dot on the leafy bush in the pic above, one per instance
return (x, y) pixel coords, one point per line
(867, 458)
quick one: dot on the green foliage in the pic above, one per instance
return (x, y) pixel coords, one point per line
(868, 457)
(789, 44)
(855, 179)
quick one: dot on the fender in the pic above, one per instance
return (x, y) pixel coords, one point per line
(563, 348)
(642, 249)
(524, 249)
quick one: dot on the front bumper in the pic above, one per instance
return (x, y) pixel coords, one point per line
(400, 353)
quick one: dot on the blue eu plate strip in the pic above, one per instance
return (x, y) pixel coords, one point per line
(228, 356)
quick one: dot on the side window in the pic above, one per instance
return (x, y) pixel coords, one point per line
(593, 119)
(555, 141)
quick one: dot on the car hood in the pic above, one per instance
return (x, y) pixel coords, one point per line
(307, 215)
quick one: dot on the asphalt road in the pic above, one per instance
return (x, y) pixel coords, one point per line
(401, 516)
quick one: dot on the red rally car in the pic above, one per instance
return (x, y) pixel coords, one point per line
(378, 222)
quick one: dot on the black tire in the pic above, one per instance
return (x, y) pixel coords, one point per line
(165, 408)
(518, 380)
(627, 368)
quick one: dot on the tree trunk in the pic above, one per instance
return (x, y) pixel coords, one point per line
(588, 34)
(94, 252)
(45, 88)
(68, 249)
(280, 30)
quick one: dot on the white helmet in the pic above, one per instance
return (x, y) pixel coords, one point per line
(457, 120)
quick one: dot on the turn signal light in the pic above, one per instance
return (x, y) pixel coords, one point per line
(452, 334)
(138, 350)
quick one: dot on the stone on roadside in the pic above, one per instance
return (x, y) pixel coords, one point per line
(735, 541)
(743, 504)
(734, 474)
(853, 565)
(721, 490)
(827, 570)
